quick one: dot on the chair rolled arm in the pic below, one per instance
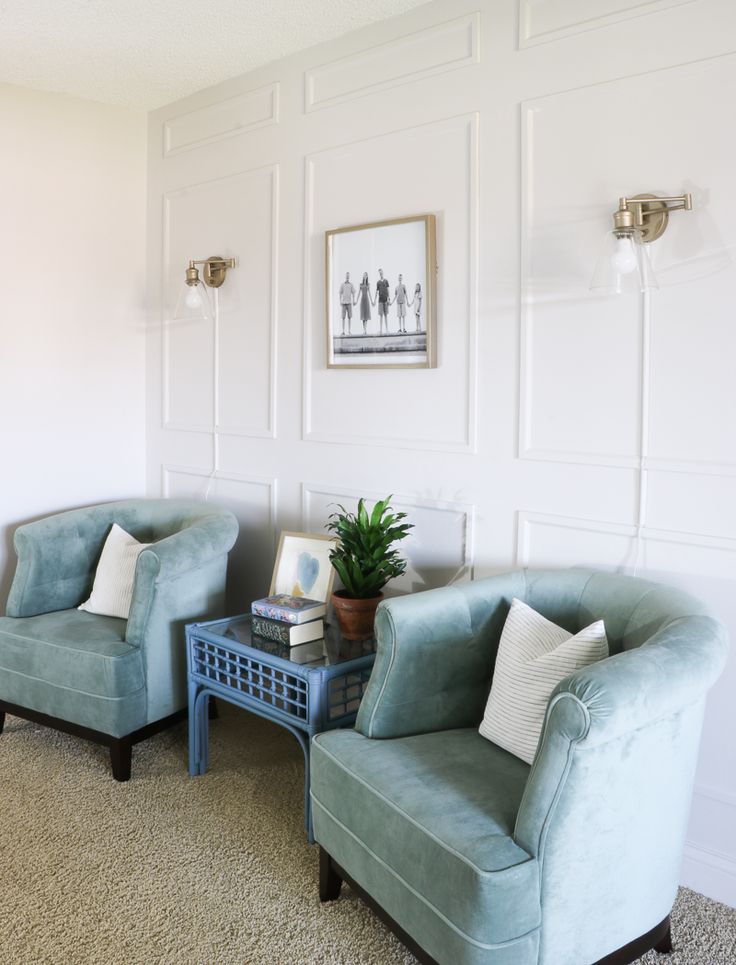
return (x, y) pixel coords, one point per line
(617, 697)
(193, 548)
(56, 559)
(672, 669)
(434, 659)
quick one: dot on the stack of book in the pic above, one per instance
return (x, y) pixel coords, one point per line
(290, 620)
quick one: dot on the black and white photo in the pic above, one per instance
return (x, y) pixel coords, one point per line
(380, 294)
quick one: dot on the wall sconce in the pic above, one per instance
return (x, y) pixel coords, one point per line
(624, 264)
(193, 299)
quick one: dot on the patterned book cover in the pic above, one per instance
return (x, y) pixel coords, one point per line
(290, 609)
(290, 634)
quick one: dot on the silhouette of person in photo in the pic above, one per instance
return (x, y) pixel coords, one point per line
(401, 298)
(365, 302)
(417, 303)
(382, 289)
(347, 300)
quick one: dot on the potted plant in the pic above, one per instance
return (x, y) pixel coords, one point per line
(365, 561)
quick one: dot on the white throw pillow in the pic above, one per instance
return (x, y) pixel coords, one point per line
(534, 655)
(112, 590)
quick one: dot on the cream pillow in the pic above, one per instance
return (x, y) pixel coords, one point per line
(112, 590)
(534, 655)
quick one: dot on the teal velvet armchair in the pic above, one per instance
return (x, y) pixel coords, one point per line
(104, 678)
(472, 856)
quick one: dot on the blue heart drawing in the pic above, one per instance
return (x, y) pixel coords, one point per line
(307, 571)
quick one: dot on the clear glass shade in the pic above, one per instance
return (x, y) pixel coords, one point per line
(623, 266)
(193, 303)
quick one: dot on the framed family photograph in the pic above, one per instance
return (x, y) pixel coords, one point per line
(303, 566)
(380, 293)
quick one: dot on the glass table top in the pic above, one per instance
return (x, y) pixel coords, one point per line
(331, 650)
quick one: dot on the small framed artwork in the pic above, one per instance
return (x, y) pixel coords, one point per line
(380, 292)
(303, 566)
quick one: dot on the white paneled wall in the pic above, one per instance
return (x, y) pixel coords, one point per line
(518, 124)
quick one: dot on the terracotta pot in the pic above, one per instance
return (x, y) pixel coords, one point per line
(355, 616)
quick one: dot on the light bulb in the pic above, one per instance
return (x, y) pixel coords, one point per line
(193, 297)
(624, 258)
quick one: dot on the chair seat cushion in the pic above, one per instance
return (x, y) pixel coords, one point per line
(436, 813)
(69, 649)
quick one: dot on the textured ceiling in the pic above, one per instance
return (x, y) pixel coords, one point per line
(145, 53)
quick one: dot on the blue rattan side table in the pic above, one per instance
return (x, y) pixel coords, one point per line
(306, 689)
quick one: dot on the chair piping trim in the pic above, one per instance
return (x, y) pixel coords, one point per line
(446, 847)
(74, 690)
(433, 908)
(388, 674)
(132, 647)
(541, 838)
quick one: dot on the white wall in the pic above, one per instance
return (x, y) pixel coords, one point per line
(72, 355)
(519, 125)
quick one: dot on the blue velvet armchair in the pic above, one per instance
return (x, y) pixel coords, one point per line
(472, 856)
(104, 678)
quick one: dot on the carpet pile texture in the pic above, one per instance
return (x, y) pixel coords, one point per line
(197, 871)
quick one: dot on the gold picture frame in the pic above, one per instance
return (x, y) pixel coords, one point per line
(296, 575)
(381, 294)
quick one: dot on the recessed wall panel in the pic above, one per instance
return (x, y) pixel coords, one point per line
(439, 549)
(703, 563)
(552, 541)
(373, 180)
(581, 352)
(701, 504)
(544, 20)
(223, 372)
(253, 501)
(225, 118)
(409, 58)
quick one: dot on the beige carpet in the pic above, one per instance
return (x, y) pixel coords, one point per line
(205, 871)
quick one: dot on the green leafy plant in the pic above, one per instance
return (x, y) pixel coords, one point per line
(363, 557)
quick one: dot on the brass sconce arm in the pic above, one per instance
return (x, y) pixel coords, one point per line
(215, 270)
(679, 202)
(648, 214)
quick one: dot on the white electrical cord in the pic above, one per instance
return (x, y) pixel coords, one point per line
(216, 394)
(646, 349)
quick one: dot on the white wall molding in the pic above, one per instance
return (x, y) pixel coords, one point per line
(412, 57)
(692, 467)
(529, 431)
(169, 283)
(225, 118)
(707, 867)
(709, 872)
(536, 295)
(463, 126)
(454, 547)
(717, 794)
(540, 23)
(268, 483)
(527, 319)
(253, 501)
(628, 531)
(528, 520)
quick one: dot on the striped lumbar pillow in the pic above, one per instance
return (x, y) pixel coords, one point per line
(534, 655)
(112, 590)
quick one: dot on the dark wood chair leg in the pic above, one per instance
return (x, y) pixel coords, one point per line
(2, 721)
(664, 946)
(330, 882)
(212, 712)
(121, 753)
